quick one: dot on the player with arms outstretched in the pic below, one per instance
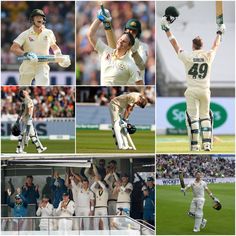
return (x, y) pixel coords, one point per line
(36, 41)
(198, 72)
(198, 187)
(28, 130)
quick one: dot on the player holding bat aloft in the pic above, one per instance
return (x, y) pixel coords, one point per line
(36, 41)
(199, 117)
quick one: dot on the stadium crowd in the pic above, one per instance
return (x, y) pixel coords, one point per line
(96, 191)
(60, 18)
(103, 95)
(49, 102)
(88, 62)
(168, 166)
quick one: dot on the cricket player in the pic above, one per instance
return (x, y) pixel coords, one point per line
(124, 189)
(198, 187)
(199, 117)
(35, 41)
(101, 209)
(84, 199)
(111, 178)
(139, 51)
(122, 106)
(25, 117)
(45, 209)
(66, 208)
(117, 68)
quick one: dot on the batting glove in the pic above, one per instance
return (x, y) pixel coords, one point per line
(135, 46)
(31, 56)
(165, 24)
(105, 18)
(123, 123)
(66, 63)
(221, 29)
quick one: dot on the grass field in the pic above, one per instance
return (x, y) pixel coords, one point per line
(54, 146)
(101, 141)
(172, 208)
(180, 144)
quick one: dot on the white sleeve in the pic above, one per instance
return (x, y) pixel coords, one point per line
(21, 38)
(107, 177)
(135, 74)
(143, 52)
(38, 212)
(93, 187)
(52, 38)
(49, 209)
(100, 47)
(183, 56)
(129, 186)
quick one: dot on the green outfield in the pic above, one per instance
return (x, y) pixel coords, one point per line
(180, 144)
(54, 146)
(101, 141)
(172, 208)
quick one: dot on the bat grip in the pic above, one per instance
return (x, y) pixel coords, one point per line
(103, 10)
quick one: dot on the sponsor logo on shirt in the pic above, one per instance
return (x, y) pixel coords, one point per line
(31, 39)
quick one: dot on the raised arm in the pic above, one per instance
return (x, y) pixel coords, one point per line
(219, 33)
(92, 32)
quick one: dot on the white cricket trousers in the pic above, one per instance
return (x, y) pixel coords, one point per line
(101, 211)
(34, 70)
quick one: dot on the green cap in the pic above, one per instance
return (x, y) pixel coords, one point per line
(134, 24)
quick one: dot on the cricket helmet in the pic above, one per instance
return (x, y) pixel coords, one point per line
(171, 13)
(37, 12)
(15, 130)
(134, 24)
(217, 205)
(131, 129)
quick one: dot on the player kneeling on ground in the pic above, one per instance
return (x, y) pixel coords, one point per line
(196, 208)
(28, 131)
(122, 106)
(198, 70)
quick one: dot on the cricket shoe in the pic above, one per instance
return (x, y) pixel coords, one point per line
(196, 230)
(195, 148)
(20, 151)
(207, 147)
(203, 224)
(42, 149)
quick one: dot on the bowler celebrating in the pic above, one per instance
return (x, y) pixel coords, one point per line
(34, 42)
(199, 117)
(117, 68)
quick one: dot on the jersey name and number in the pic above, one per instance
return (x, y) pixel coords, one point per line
(198, 70)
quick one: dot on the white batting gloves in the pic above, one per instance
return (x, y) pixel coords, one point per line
(221, 29)
(165, 24)
(135, 46)
(65, 63)
(31, 56)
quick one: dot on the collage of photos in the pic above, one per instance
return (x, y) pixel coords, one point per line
(117, 117)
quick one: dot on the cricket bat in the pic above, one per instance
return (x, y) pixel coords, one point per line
(181, 179)
(47, 58)
(110, 36)
(219, 12)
